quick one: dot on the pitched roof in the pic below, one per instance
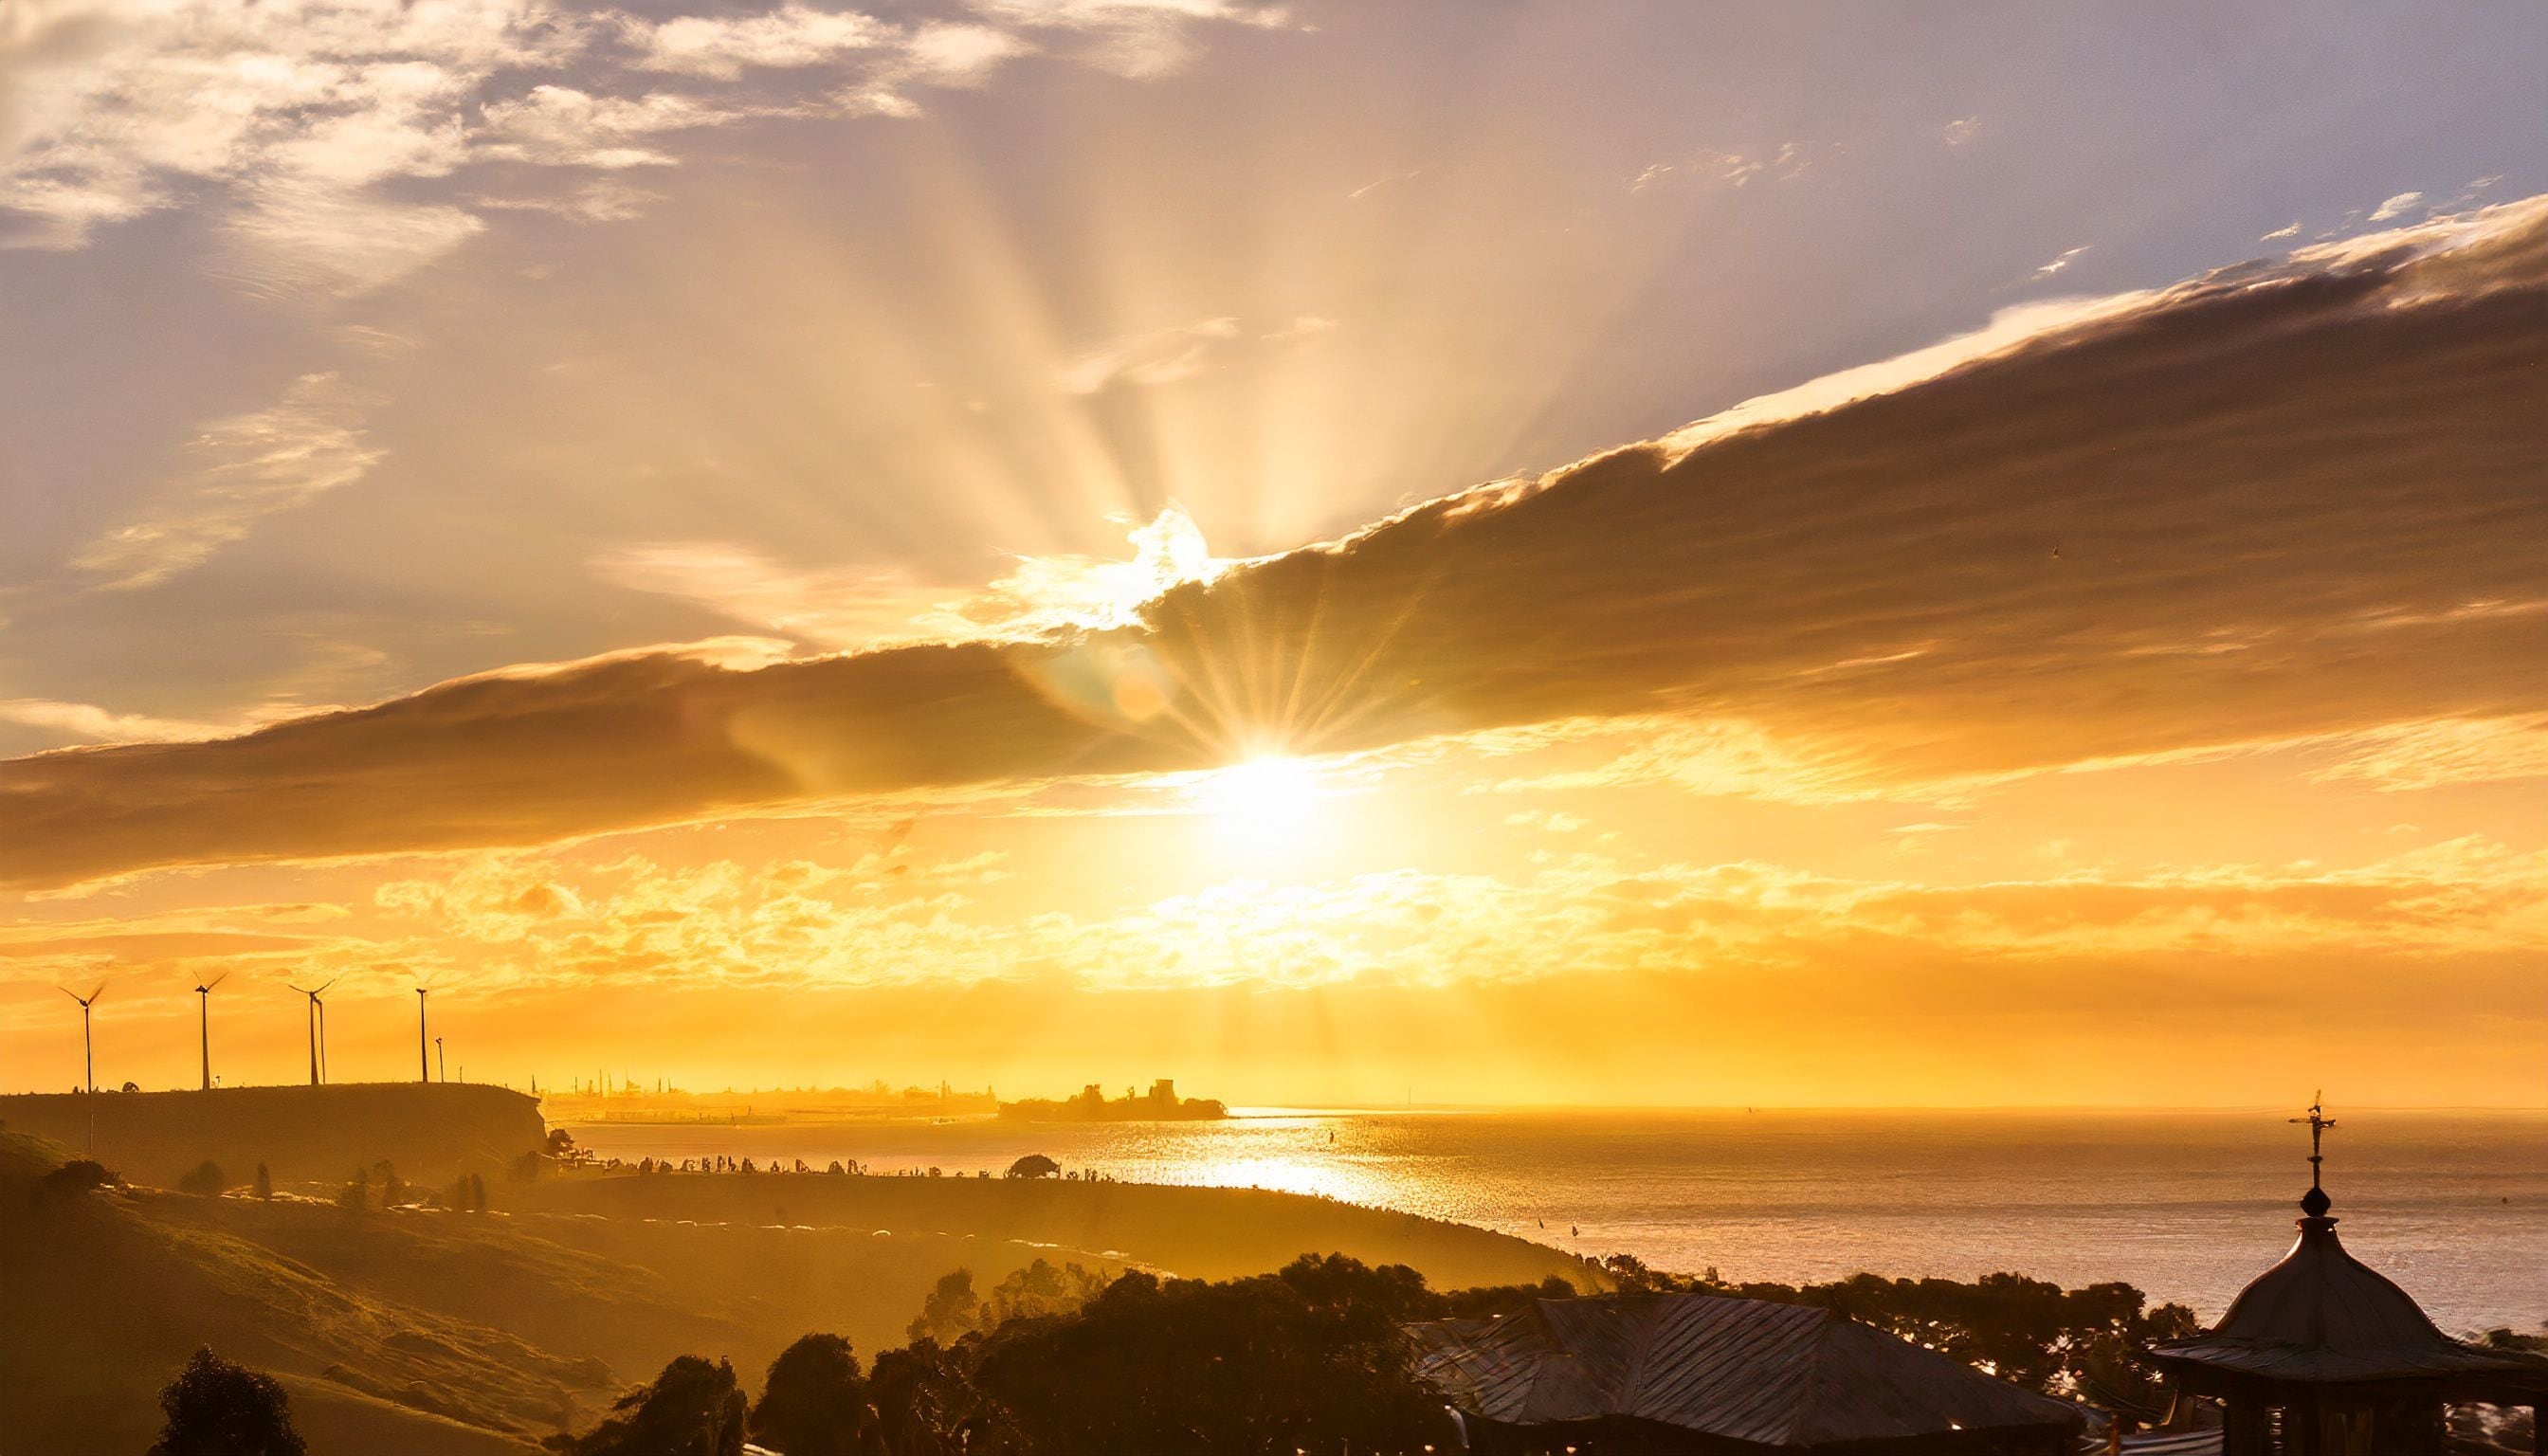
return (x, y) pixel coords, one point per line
(2322, 1316)
(1788, 1377)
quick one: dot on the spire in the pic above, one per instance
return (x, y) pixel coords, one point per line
(2315, 1203)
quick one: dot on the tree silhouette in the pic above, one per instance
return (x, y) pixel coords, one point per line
(814, 1402)
(205, 1181)
(692, 1409)
(264, 1185)
(1304, 1359)
(1034, 1165)
(217, 1409)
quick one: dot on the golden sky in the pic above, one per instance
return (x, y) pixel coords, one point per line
(768, 546)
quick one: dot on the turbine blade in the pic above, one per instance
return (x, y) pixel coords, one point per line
(217, 980)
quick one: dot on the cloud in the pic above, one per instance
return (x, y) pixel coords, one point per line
(1160, 357)
(239, 470)
(82, 722)
(2396, 207)
(1963, 130)
(1171, 355)
(2289, 500)
(1791, 160)
(2289, 230)
(328, 137)
(722, 46)
(2064, 261)
(1132, 38)
(559, 126)
(866, 608)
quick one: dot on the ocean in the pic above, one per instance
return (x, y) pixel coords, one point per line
(2185, 1206)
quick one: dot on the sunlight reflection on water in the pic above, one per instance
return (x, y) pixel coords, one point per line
(2186, 1205)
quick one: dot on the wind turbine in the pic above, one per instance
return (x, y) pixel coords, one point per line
(88, 1055)
(423, 1069)
(88, 1050)
(204, 1018)
(438, 1058)
(318, 1030)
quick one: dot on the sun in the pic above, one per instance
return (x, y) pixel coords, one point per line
(1266, 801)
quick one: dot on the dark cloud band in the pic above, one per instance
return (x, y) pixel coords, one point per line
(2309, 498)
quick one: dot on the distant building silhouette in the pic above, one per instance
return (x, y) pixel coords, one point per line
(2322, 1356)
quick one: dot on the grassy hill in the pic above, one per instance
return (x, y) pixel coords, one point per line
(419, 1331)
(1198, 1233)
(106, 1300)
(431, 1131)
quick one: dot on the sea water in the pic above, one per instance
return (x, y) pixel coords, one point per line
(2186, 1205)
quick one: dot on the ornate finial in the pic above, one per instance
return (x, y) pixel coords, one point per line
(2315, 1203)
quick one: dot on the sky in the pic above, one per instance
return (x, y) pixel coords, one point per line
(1342, 553)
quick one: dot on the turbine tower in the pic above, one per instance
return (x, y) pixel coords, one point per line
(88, 1056)
(423, 1069)
(88, 1051)
(317, 1032)
(437, 1060)
(203, 1022)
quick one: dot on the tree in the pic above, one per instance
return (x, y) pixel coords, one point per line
(692, 1409)
(477, 1194)
(264, 1185)
(927, 1405)
(356, 1196)
(814, 1402)
(1034, 1165)
(1308, 1357)
(205, 1181)
(217, 1409)
(951, 1311)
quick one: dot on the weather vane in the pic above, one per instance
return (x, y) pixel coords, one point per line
(2315, 1203)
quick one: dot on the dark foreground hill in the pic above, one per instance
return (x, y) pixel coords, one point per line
(430, 1132)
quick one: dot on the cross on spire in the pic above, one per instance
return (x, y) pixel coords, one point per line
(2315, 1203)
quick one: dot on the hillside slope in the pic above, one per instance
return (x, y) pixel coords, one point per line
(105, 1302)
(431, 1131)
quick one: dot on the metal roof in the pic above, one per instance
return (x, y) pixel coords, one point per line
(2322, 1316)
(1787, 1377)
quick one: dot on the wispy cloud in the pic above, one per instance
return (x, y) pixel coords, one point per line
(1790, 161)
(2064, 260)
(238, 472)
(2396, 207)
(1963, 130)
(1168, 355)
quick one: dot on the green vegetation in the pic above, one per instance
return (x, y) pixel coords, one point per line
(217, 1409)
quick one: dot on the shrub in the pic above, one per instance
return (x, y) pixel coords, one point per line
(79, 1175)
(217, 1409)
(205, 1181)
(264, 1185)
